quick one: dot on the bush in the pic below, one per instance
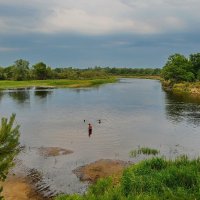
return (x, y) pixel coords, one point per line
(153, 179)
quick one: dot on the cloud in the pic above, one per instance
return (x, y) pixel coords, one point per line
(98, 17)
(98, 32)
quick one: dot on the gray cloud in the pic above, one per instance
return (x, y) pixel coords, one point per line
(100, 32)
(99, 16)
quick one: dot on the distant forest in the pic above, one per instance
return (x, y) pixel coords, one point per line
(178, 68)
(21, 70)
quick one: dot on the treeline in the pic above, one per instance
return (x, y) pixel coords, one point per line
(133, 71)
(179, 68)
(21, 70)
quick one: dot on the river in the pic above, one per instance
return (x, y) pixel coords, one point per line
(133, 112)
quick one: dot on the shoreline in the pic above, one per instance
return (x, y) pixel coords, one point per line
(19, 187)
(191, 89)
(65, 83)
(50, 84)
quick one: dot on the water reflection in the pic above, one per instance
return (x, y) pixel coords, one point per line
(20, 96)
(42, 93)
(181, 107)
(1, 95)
(79, 90)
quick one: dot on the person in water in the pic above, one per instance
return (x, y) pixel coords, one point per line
(89, 129)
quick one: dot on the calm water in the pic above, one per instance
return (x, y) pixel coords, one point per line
(133, 112)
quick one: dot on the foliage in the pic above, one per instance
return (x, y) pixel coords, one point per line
(178, 68)
(9, 141)
(153, 179)
(2, 76)
(21, 70)
(40, 71)
(143, 150)
(195, 60)
(133, 71)
(8, 73)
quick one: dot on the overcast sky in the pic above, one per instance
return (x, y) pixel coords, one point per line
(85, 33)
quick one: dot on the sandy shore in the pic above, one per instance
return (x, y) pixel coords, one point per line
(27, 184)
(19, 188)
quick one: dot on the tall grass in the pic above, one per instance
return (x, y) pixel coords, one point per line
(144, 151)
(153, 179)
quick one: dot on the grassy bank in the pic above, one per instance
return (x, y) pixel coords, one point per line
(192, 88)
(153, 179)
(55, 83)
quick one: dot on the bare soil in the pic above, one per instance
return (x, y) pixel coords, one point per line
(19, 188)
(100, 169)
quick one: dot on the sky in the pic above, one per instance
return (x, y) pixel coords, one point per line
(88, 33)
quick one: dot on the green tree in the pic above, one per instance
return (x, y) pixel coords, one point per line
(178, 68)
(195, 60)
(2, 76)
(21, 70)
(40, 71)
(9, 72)
(9, 143)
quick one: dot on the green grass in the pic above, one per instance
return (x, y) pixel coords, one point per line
(153, 179)
(144, 151)
(55, 83)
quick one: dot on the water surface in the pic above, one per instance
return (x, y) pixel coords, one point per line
(133, 112)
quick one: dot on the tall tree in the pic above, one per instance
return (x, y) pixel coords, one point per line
(2, 76)
(9, 143)
(21, 70)
(9, 72)
(195, 60)
(40, 71)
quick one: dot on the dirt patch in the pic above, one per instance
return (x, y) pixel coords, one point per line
(27, 186)
(19, 188)
(100, 169)
(53, 151)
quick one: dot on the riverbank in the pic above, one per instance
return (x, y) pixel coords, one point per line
(153, 77)
(192, 89)
(155, 178)
(18, 187)
(55, 83)
(28, 187)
